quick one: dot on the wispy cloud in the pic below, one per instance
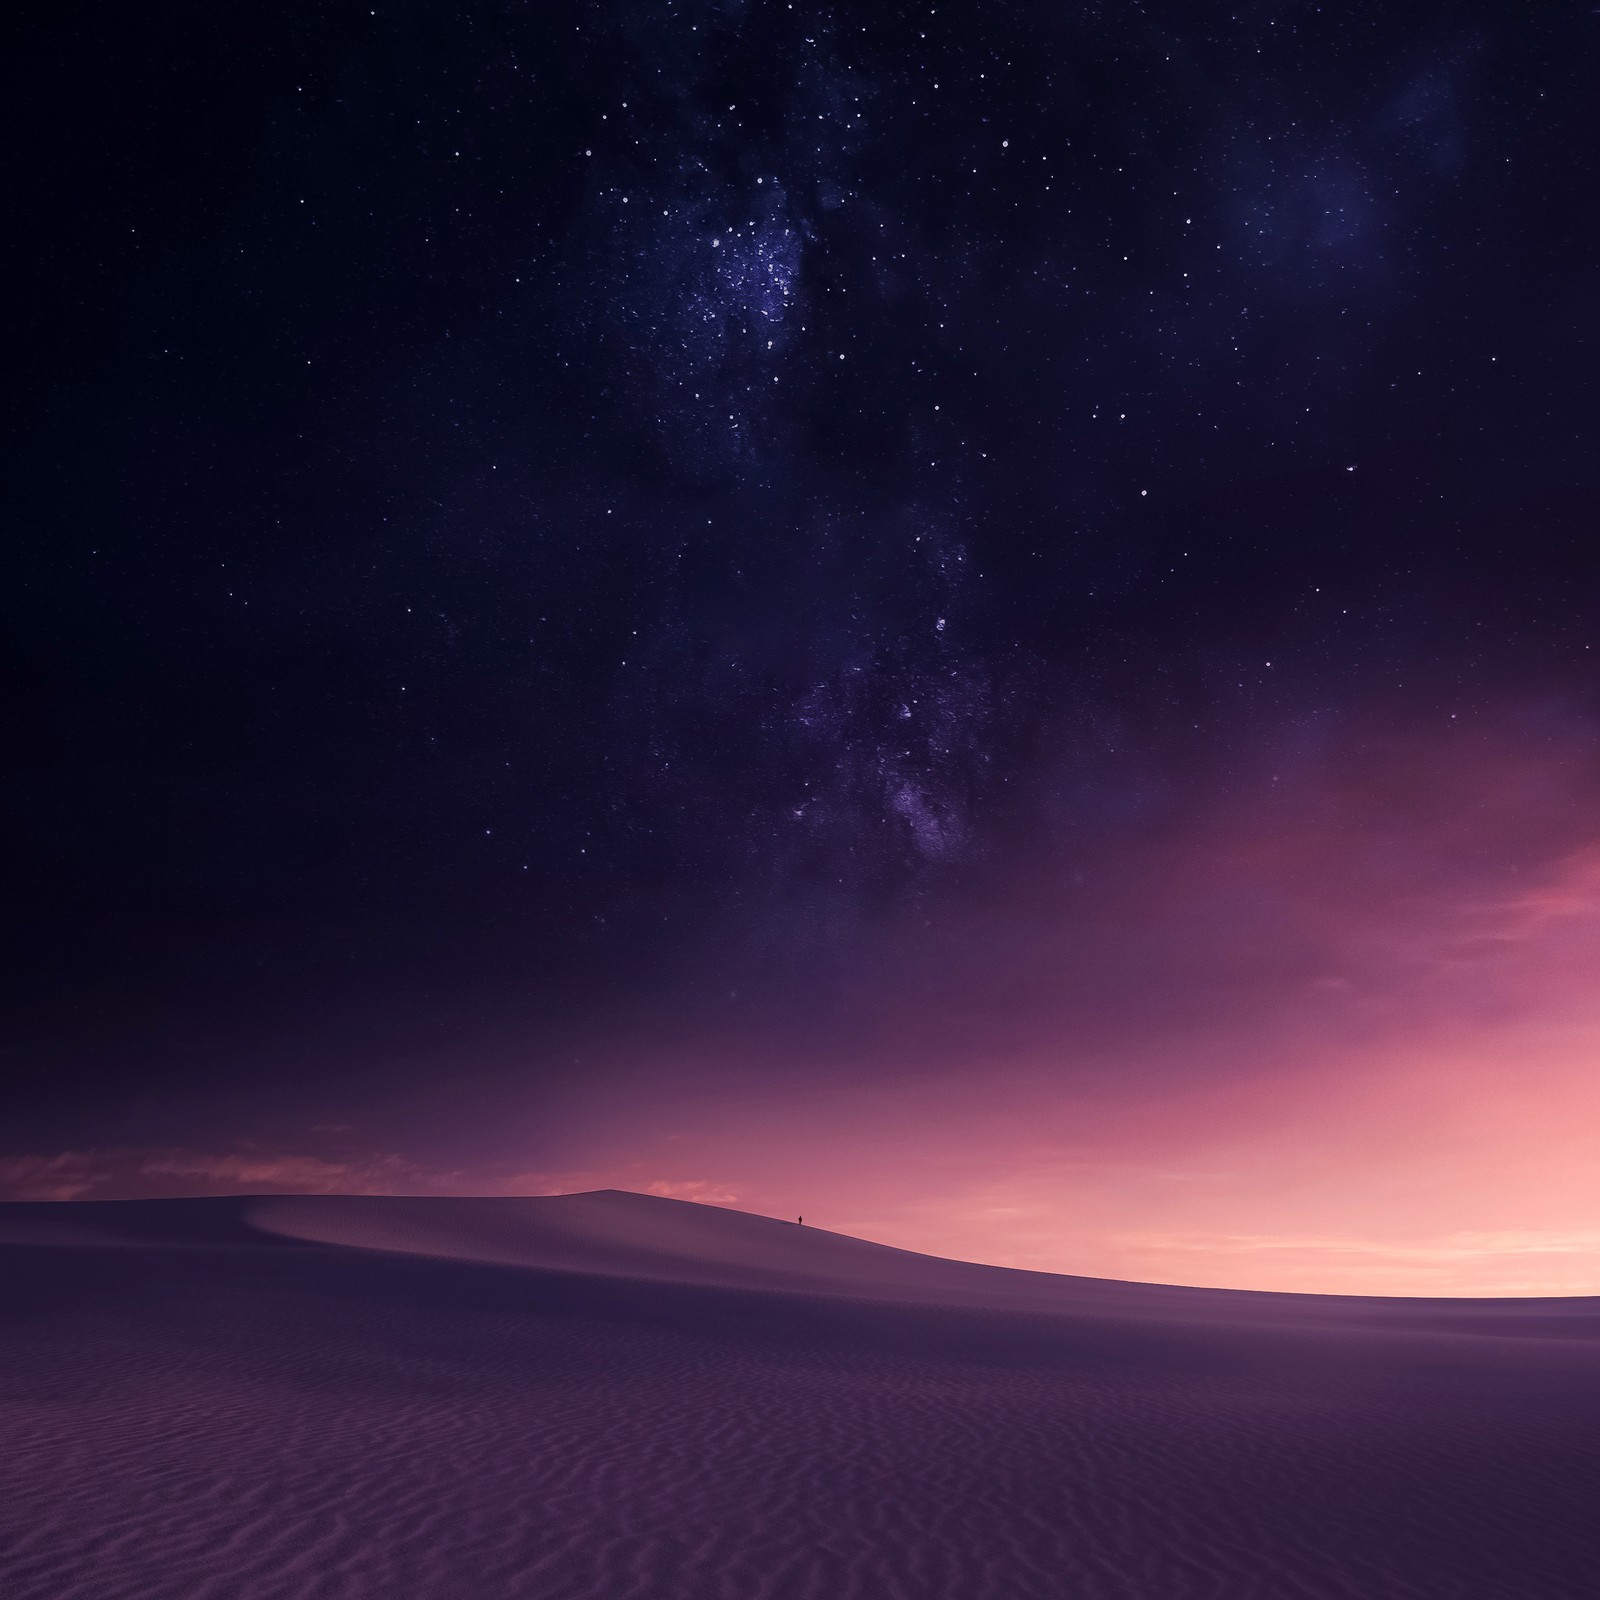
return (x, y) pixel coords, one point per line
(67, 1176)
(1481, 1246)
(1569, 891)
(701, 1189)
(142, 1173)
(145, 1173)
(301, 1174)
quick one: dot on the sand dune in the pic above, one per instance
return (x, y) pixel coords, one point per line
(631, 1398)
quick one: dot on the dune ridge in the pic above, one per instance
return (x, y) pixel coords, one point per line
(633, 1398)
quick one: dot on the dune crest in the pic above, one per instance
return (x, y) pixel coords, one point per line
(620, 1233)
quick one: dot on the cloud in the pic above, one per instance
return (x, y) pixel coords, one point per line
(1478, 1246)
(150, 1173)
(300, 1174)
(702, 1190)
(1492, 1262)
(67, 1176)
(1568, 891)
(145, 1173)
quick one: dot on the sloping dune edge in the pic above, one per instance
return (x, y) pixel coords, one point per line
(616, 1233)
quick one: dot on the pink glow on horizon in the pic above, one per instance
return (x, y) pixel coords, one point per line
(1361, 1054)
(1421, 1172)
(1344, 1039)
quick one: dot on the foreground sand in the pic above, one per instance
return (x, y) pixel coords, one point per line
(616, 1397)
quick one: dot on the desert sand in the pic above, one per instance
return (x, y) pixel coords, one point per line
(617, 1397)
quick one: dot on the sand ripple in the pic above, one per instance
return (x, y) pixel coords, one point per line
(201, 1413)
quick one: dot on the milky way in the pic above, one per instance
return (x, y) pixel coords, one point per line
(562, 546)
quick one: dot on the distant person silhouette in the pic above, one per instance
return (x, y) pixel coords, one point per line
(799, 1222)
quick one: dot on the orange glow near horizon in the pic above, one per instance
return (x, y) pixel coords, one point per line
(1345, 1039)
(1371, 1067)
(1419, 1171)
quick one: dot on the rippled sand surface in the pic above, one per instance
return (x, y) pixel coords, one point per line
(616, 1397)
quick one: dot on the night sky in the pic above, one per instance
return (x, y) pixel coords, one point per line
(975, 620)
